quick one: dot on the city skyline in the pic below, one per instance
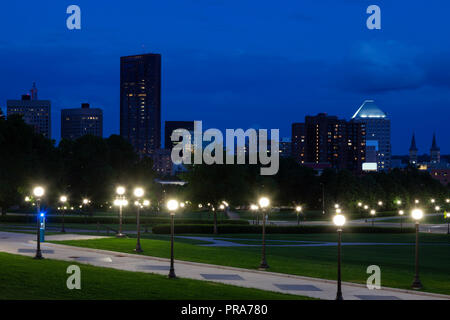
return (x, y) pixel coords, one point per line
(213, 73)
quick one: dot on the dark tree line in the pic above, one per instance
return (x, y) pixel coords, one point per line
(89, 167)
(294, 184)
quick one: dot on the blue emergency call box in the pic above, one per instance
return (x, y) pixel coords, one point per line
(42, 227)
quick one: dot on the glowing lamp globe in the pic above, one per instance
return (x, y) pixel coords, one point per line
(120, 190)
(264, 202)
(63, 199)
(339, 220)
(38, 192)
(138, 192)
(172, 205)
(417, 214)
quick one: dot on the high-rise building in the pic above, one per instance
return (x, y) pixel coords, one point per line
(285, 148)
(378, 135)
(435, 152)
(78, 122)
(413, 151)
(36, 113)
(298, 143)
(171, 126)
(140, 102)
(324, 139)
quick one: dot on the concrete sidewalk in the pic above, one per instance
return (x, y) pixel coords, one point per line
(23, 244)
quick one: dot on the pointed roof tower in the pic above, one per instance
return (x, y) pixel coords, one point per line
(434, 146)
(413, 146)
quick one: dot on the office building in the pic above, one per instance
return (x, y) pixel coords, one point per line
(378, 135)
(140, 102)
(328, 141)
(36, 113)
(78, 122)
(285, 148)
(298, 142)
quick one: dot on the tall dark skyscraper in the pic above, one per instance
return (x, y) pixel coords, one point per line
(140, 102)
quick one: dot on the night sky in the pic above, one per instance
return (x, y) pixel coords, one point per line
(240, 64)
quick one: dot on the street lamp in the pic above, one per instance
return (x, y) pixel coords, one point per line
(339, 221)
(63, 200)
(433, 200)
(417, 214)
(437, 208)
(336, 206)
(401, 213)
(380, 203)
(120, 202)
(399, 202)
(372, 213)
(254, 208)
(263, 204)
(416, 201)
(138, 193)
(172, 205)
(338, 211)
(38, 193)
(298, 209)
(360, 205)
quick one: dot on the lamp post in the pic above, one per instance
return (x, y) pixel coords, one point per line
(120, 202)
(263, 204)
(63, 200)
(401, 213)
(172, 205)
(372, 213)
(417, 214)
(38, 193)
(138, 193)
(323, 197)
(359, 209)
(254, 208)
(298, 209)
(339, 221)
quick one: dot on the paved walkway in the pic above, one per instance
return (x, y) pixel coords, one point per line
(23, 244)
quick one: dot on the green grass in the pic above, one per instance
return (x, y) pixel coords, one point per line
(25, 278)
(396, 262)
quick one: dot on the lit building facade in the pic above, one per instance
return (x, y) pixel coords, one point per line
(324, 139)
(140, 102)
(378, 135)
(36, 113)
(78, 122)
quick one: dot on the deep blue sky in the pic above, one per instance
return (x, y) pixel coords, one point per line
(240, 64)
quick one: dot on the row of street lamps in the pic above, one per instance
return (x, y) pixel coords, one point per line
(173, 205)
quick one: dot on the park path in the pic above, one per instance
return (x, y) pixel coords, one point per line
(23, 244)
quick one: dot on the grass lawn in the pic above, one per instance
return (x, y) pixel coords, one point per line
(396, 262)
(25, 278)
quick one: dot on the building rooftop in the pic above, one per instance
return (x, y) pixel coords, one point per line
(369, 110)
